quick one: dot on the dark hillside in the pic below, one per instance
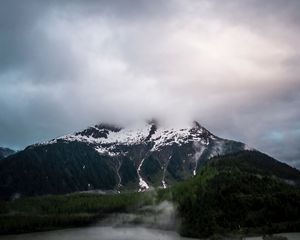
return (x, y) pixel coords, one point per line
(239, 193)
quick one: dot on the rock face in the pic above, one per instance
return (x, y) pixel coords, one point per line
(107, 157)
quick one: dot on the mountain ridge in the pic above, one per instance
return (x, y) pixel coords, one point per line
(5, 152)
(135, 158)
(107, 139)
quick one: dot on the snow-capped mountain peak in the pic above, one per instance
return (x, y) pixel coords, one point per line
(106, 135)
(133, 157)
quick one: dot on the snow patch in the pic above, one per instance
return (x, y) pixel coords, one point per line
(248, 148)
(143, 185)
(138, 134)
(164, 184)
(199, 151)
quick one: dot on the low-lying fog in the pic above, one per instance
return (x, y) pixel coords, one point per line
(158, 222)
(99, 233)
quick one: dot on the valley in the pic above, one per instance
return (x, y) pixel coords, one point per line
(240, 194)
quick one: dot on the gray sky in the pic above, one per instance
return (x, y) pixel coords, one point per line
(232, 65)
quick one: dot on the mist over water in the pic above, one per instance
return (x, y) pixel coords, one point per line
(162, 216)
(117, 233)
(148, 223)
(97, 233)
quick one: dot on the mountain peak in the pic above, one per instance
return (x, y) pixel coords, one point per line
(110, 127)
(5, 152)
(138, 156)
(196, 124)
(151, 131)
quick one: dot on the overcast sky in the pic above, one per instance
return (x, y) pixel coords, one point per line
(232, 65)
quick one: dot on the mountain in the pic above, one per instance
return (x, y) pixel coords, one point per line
(5, 152)
(237, 195)
(108, 157)
(243, 193)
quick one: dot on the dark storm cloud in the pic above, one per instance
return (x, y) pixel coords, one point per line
(232, 65)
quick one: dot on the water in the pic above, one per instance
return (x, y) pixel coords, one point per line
(118, 227)
(115, 233)
(289, 236)
(99, 233)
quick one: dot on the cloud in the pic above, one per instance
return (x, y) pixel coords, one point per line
(233, 66)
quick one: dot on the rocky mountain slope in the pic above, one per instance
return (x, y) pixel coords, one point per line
(5, 152)
(108, 157)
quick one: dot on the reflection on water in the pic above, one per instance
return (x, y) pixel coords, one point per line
(99, 233)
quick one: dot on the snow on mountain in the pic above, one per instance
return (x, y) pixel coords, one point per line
(195, 142)
(105, 138)
(112, 158)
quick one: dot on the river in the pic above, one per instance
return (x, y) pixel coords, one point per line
(99, 233)
(114, 233)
